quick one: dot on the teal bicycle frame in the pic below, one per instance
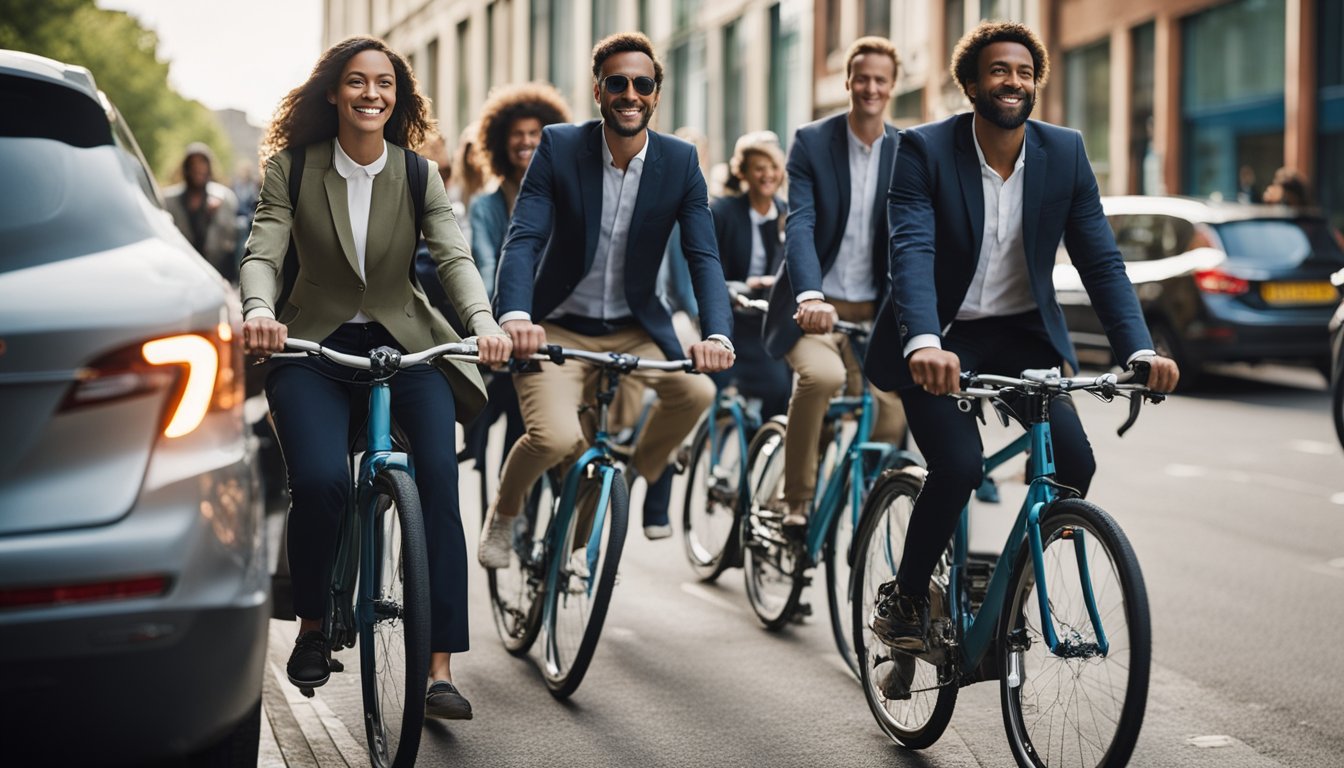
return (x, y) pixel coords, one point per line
(978, 630)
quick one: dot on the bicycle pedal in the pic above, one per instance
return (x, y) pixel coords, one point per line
(308, 692)
(335, 665)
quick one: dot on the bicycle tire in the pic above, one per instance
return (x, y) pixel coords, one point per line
(1337, 401)
(772, 562)
(919, 721)
(515, 589)
(1041, 738)
(577, 607)
(711, 499)
(394, 649)
(839, 579)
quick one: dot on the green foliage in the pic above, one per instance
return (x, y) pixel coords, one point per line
(123, 57)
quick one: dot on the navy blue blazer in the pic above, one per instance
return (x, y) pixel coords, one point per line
(732, 230)
(553, 236)
(937, 210)
(819, 202)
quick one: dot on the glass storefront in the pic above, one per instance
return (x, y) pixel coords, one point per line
(1087, 102)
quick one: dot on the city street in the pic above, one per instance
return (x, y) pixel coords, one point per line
(1233, 498)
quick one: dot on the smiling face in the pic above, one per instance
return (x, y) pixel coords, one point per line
(761, 175)
(366, 93)
(524, 136)
(627, 113)
(1004, 91)
(872, 78)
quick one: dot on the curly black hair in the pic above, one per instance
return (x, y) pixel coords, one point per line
(305, 116)
(625, 42)
(503, 108)
(966, 56)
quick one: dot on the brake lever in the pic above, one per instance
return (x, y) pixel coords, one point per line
(1135, 404)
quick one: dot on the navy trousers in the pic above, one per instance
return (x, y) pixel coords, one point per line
(950, 440)
(319, 407)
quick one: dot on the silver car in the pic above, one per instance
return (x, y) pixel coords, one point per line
(133, 582)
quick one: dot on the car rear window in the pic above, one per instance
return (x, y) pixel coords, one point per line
(1280, 243)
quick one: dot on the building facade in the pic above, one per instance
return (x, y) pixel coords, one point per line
(1196, 97)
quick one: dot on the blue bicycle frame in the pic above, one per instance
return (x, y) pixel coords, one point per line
(733, 405)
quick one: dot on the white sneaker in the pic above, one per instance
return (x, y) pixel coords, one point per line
(655, 532)
(496, 546)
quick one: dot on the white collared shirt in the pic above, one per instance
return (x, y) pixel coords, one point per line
(851, 276)
(358, 199)
(601, 292)
(758, 263)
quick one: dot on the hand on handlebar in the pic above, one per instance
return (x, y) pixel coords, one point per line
(711, 357)
(1163, 374)
(264, 336)
(494, 351)
(936, 370)
(527, 336)
(815, 316)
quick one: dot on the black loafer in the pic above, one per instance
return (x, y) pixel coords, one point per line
(445, 702)
(308, 666)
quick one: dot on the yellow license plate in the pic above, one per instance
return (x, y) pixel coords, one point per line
(1299, 293)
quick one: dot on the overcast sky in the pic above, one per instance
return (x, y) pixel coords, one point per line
(245, 54)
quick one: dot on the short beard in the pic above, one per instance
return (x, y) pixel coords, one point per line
(609, 117)
(987, 108)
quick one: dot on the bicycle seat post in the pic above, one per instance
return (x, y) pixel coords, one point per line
(606, 392)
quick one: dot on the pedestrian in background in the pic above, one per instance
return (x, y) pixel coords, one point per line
(1289, 187)
(354, 234)
(468, 177)
(749, 228)
(205, 211)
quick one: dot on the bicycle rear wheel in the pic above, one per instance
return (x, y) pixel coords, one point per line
(918, 721)
(576, 606)
(709, 517)
(514, 589)
(772, 562)
(1082, 705)
(394, 647)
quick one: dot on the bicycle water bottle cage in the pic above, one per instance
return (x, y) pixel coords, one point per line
(383, 362)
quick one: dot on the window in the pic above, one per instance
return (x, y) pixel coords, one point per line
(689, 94)
(604, 18)
(832, 21)
(1087, 102)
(491, 66)
(734, 73)
(954, 12)
(1145, 170)
(463, 80)
(786, 70)
(429, 76)
(877, 17)
(908, 108)
(560, 67)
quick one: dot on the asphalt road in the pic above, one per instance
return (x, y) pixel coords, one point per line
(1233, 499)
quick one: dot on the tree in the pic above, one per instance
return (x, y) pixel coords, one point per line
(123, 57)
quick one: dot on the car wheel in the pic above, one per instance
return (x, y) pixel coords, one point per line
(1168, 344)
(239, 748)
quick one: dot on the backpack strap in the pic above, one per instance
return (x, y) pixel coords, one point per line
(417, 175)
(290, 273)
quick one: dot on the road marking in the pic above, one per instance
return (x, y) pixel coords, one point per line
(1210, 742)
(1253, 478)
(1186, 470)
(1314, 447)
(699, 592)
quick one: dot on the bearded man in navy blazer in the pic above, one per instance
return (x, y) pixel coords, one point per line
(835, 257)
(579, 266)
(978, 205)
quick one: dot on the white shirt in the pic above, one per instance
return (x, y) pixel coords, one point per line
(758, 263)
(851, 276)
(601, 292)
(358, 198)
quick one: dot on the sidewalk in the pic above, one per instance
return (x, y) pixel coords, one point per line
(296, 731)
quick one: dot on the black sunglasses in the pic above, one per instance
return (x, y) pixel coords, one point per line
(616, 84)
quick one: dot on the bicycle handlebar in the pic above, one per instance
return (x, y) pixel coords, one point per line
(1106, 387)
(464, 350)
(557, 354)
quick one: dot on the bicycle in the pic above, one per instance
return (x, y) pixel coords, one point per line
(775, 563)
(1084, 641)
(716, 467)
(379, 591)
(560, 575)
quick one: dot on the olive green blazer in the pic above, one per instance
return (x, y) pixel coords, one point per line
(329, 289)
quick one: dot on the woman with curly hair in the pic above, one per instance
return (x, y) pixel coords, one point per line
(509, 132)
(353, 231)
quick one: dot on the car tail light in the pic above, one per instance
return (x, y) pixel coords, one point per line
(64, 594)
(1218, 281)
(199, 372)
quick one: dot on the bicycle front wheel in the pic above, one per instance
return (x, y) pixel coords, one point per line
(917, 719)
(709, 518)
(839, 574)
(394, 646)
(515, 588)
(772, 561)
(584, 577)
(1082, 704)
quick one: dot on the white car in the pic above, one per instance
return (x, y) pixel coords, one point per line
(134, 593)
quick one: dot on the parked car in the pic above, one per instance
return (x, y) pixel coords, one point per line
(1218, 282)
(133, 581)
(1337, 361)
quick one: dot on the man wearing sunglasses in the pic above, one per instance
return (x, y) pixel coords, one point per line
(835, 257)
(579, 267)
